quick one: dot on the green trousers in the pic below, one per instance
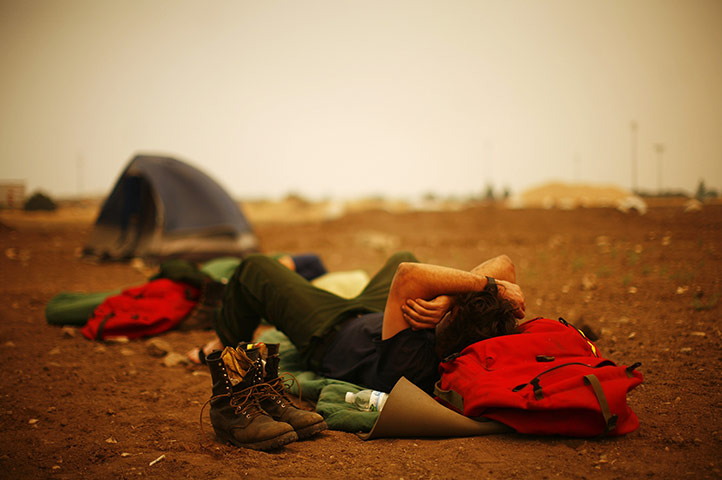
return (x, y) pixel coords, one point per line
(262, 288)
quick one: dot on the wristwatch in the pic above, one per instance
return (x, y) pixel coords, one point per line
(491, 285)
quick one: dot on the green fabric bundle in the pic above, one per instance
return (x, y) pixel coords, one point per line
(70, 308)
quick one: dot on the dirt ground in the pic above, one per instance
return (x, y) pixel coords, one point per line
(648, 285)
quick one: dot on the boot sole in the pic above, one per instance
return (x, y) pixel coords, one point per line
(311, 430)
(269, 444)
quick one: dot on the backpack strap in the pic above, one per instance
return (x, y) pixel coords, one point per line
(534, 382)
(101, 326)
(451, 397)
(610, 419)
(632, 368)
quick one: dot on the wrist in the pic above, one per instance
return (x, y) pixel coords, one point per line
(491, 285)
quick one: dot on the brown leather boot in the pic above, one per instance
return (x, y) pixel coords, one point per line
(236, 415)
(275, 399)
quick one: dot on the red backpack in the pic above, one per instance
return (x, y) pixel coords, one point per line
(548, 379)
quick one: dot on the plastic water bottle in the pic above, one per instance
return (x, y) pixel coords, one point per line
(367, 400)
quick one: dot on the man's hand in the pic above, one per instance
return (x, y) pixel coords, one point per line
(512, 292)
(420, 313)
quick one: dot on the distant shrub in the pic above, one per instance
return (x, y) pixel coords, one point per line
(664, 193)
(703, 193)
(40, 201)
(490, 193)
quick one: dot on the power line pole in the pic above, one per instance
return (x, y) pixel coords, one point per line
(80, 165)
(659, 148)
(633, 127)
(577, 167)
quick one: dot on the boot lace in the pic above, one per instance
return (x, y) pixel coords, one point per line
(246, 401)
(278, 387)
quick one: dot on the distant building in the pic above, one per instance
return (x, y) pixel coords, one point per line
(12, 194)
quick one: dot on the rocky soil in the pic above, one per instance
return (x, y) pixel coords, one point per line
(648, 285)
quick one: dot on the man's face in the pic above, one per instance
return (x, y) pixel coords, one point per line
(444, 322)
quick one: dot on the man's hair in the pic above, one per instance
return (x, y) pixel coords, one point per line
(475, 316)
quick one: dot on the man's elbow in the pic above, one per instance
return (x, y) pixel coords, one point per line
(507, 267)
(405, 270)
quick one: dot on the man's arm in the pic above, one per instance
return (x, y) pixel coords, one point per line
(430, 285)
(424, 281)
(501, 268)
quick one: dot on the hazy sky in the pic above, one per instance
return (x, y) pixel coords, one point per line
(347, 98)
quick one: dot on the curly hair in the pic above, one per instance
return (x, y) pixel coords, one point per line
(475, 316)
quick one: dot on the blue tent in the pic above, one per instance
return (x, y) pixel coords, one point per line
(163, 208)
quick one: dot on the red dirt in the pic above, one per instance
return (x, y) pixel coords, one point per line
(649, 285)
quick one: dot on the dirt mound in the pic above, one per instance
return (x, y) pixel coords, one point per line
(569, 196)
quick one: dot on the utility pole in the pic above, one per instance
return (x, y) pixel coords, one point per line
(659, 148)
(633, 127)
(577, 165)
(79, 164)
(489, 194)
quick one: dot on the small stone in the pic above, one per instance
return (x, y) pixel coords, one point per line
(697, 334)
(685, 349)
(589, 281)
(158, 347)
(604, 244)
(118, 339)
(632, 289)
(54, 351)
(127, 352)
(69, 332)
(666, 240)
(137, 263)
(33, 421)
(125, 454)
(56, 467)
(682, 290)
(174, 359)
(632, 335)
(111, 440)
(692, 205)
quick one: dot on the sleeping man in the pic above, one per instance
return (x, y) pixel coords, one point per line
(409, 317)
